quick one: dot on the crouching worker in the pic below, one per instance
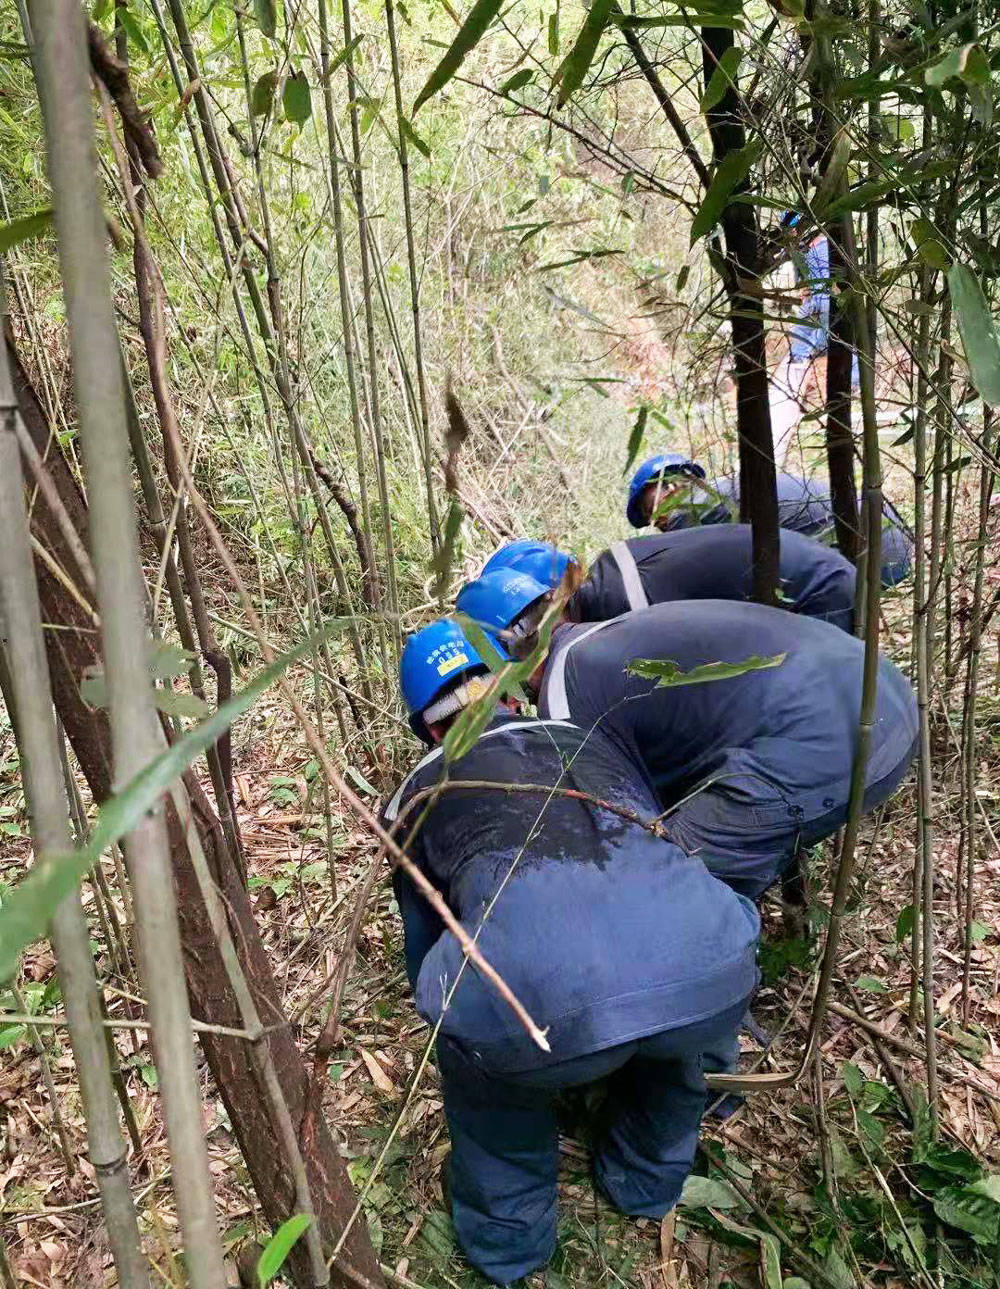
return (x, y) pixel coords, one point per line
(637, 962)
(714, 563)
(670, 491)
(753, 766)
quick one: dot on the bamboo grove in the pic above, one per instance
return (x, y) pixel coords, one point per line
(307, 307)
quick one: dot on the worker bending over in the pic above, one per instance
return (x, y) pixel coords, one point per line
(755, 765)
(646, 986)
(714, 563)
(670, 491)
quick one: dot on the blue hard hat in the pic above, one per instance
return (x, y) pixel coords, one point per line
(498, 598)
(433, 659)
(651, 470)
(546, 563)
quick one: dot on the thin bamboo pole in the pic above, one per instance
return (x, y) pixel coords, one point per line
(969, 713)
(375, 416)
(61, 53)
(37, 741)
(411, 261)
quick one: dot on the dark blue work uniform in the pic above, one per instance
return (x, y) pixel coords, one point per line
(714, 563)
(637, 962)
(770, 750)
(804, 506)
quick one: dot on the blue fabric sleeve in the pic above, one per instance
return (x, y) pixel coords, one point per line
(422, 927)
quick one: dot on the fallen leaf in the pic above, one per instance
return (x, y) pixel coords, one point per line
(379, 1076)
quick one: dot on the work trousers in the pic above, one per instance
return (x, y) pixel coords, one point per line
(747, 839)
(504, 1136)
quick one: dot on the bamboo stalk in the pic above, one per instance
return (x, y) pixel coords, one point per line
(31, 698)
(63, 86)
(411, 261)
(375, 417)
(969, 712)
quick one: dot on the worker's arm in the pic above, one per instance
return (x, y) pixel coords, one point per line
(421, 925)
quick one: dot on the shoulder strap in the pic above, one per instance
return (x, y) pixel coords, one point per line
(635, 593)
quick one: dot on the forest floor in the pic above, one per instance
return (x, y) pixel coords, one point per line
(826, 1159)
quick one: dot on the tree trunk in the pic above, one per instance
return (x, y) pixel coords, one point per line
(72, 646)
(758, 485)
(839, 435)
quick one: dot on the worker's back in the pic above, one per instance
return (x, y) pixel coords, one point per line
(714, 563)
(791, 727)
(603, 930)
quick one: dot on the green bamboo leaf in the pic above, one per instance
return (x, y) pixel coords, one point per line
(967, 63)
(577, 61)
(977, 327)
(707, 1192)
(469, 35)
(28, 908)
(296, 98)
(266, 13)
(279, 1246)
(517, 81)
(905, 922)
(173, 702)
(967, 1209)
(668, 674)
(20, 230)
(635, 438)
(732, 170)
(344, 54)
(264, 89)
(133, 30)
(721, 79)
(553, 34)
(932, 252)
(406, 129)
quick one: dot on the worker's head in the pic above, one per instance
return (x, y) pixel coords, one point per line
(543, 561)
(511, 604)
(656, 481)
(440, 674)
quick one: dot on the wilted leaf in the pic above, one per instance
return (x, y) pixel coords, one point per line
(296, 98)
(279, 1246)
(722, 78)
(266, 13)
(378, 1075)
(20, 230)
(577, 61)
(469, 35)
(836, 170)
(978, 331)
(732, 170)
(667, 673)
(263, 93)
(708, 1192)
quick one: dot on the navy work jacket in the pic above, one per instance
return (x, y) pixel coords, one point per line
(604, 931)
(714, 563)
(785, 735)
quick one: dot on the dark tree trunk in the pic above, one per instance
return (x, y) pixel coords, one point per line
(72, 644)
(839, 436)
(758, 486)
